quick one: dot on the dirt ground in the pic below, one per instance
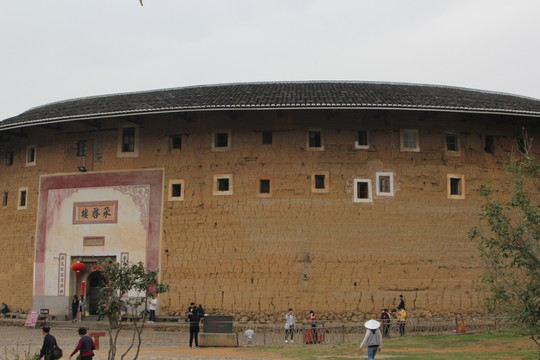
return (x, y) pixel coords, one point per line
(156, 345)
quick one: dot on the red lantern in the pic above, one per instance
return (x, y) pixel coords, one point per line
(78, 267)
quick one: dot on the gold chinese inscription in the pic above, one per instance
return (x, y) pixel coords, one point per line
(95, 212)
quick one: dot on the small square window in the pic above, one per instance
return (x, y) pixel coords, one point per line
(82, 147)
(9, 158)
(128, 139)
(385, 184)
(221, 140)
(23, 203)
(362, 191)
(264, 186)
(314, 139)
(176, 190)
(451, 142)
(5, 199)
(319, 181)
(409, 140)
(223, 184)
(267, 137)
(489, 144)
(362, 139)
(176, 142)
(456, 186)
(31, 155)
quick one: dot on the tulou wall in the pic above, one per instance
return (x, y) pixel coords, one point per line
(312, 240)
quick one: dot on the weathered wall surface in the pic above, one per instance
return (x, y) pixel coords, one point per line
(256, 257)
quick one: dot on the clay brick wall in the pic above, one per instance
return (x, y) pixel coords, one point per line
(255, 257)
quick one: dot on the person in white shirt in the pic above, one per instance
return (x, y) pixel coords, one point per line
(290, 321)
(373, 338)
(152, 307)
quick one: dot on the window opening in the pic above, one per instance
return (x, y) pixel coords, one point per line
(267, 137)
(82, 147)
(264, 186)
(128, 139)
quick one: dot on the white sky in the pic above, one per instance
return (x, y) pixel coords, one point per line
(53, 50)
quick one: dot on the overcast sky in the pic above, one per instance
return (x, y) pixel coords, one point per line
(53, 50)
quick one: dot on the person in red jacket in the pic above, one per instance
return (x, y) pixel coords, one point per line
(86, 346)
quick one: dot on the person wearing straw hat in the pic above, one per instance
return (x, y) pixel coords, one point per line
(373, 338)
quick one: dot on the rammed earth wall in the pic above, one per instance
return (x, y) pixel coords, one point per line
(254, 254)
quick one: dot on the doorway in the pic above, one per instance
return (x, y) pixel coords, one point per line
(95, 292)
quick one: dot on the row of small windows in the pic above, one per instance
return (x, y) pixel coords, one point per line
(362, 188)
(223, 185)
(221, 141)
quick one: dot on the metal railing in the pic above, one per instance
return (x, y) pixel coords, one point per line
(272, 334)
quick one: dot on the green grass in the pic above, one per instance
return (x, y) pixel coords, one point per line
(497, 345)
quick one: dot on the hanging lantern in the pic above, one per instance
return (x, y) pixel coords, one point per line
(78, 267)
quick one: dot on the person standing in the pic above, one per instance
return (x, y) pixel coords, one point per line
(86, 345)
(401, 303)
(49, 342)
(152, 307)
(385, 320)
(373, 338)
(290, 321)
(313, 322)
(74, 308)
(193, 318)
(82, 308)
(402, 320)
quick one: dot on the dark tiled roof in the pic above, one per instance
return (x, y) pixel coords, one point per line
(292, 95)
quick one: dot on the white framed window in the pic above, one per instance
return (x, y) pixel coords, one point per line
(264, 187)
(176, 190)
(315, 140)
(320, 181)
(128, 141)
(455, 188)
(362, 191)
(385, 184)
(361, 139)
(22, 202)
(221, 140)
(31, 153)
(223, 184)
(409, 140)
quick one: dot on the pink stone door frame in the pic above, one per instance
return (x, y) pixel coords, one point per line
(152, 178)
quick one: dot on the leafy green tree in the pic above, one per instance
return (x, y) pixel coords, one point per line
(508, 237)
(131, 284)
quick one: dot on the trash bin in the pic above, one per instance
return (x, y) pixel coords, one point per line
(308, 336)
(320, 335)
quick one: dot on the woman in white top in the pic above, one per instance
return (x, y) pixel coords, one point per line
(290, 321)
(373, 338)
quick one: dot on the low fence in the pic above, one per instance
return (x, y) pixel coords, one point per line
(264, 334)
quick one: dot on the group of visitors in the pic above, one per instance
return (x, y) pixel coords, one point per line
(51, 351)
(401, 316)
(373, 337)
(78, 308)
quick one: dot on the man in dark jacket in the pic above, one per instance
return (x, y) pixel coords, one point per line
(193, 318)
(49, 342)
